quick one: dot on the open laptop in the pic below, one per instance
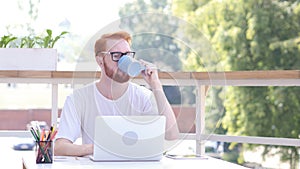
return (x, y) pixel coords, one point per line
(129, 138)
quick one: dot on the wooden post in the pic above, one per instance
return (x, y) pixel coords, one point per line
(54, 109)
(200, 119)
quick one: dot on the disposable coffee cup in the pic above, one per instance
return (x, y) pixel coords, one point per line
(130, 66)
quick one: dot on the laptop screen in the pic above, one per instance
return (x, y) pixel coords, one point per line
(129, 138)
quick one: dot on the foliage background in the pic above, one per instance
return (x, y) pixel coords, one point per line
(254, 35)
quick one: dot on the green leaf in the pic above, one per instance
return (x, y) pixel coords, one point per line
(49, 32)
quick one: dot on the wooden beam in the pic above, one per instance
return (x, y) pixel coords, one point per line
(230, 75)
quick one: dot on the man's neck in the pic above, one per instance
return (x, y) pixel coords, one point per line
(111, 89)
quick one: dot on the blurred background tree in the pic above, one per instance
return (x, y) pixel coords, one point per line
(152, 37)
(254, 35)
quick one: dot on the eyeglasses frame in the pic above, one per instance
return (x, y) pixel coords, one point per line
(111, 54)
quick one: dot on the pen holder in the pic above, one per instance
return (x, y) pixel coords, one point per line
(44, 152)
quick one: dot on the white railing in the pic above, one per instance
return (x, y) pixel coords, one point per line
(199, 79)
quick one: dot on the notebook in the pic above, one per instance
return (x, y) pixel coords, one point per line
(129, 138)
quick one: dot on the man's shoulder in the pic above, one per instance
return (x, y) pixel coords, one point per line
(89, 88)
(136, 88)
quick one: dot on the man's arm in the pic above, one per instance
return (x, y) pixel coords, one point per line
(165, 109)
(69, 129)
(151, 77)
(64, 147)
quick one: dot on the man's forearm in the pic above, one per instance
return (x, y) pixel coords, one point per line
(64, 147)
(165, 109)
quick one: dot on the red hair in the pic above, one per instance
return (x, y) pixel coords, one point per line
(101, 43)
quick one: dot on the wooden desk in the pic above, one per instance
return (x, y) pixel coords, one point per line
(10, 158)
(165, 163)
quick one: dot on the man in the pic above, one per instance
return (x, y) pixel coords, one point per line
(113, 94)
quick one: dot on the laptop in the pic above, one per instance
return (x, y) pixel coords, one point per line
(129, 138)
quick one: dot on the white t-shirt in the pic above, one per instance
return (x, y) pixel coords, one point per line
(82, 107)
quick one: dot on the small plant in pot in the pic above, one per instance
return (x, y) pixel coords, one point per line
(29, 52)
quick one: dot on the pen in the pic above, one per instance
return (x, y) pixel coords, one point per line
(38, 129)
(42, 135)
(49, 134)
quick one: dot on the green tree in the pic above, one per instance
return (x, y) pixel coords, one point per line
(269, 26)
(202, 56)
(150, 23)
(254, 35)
(153, 29)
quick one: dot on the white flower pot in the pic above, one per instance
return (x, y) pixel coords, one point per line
(28, 59)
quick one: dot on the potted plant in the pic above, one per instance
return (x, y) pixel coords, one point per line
(29, 53)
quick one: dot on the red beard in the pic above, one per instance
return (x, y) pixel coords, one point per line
(116, 75)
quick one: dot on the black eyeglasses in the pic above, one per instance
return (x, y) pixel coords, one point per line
(116, 56)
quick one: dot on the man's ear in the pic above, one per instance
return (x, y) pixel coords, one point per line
(99, 60)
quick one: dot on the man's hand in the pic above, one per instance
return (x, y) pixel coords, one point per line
(150, 75)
